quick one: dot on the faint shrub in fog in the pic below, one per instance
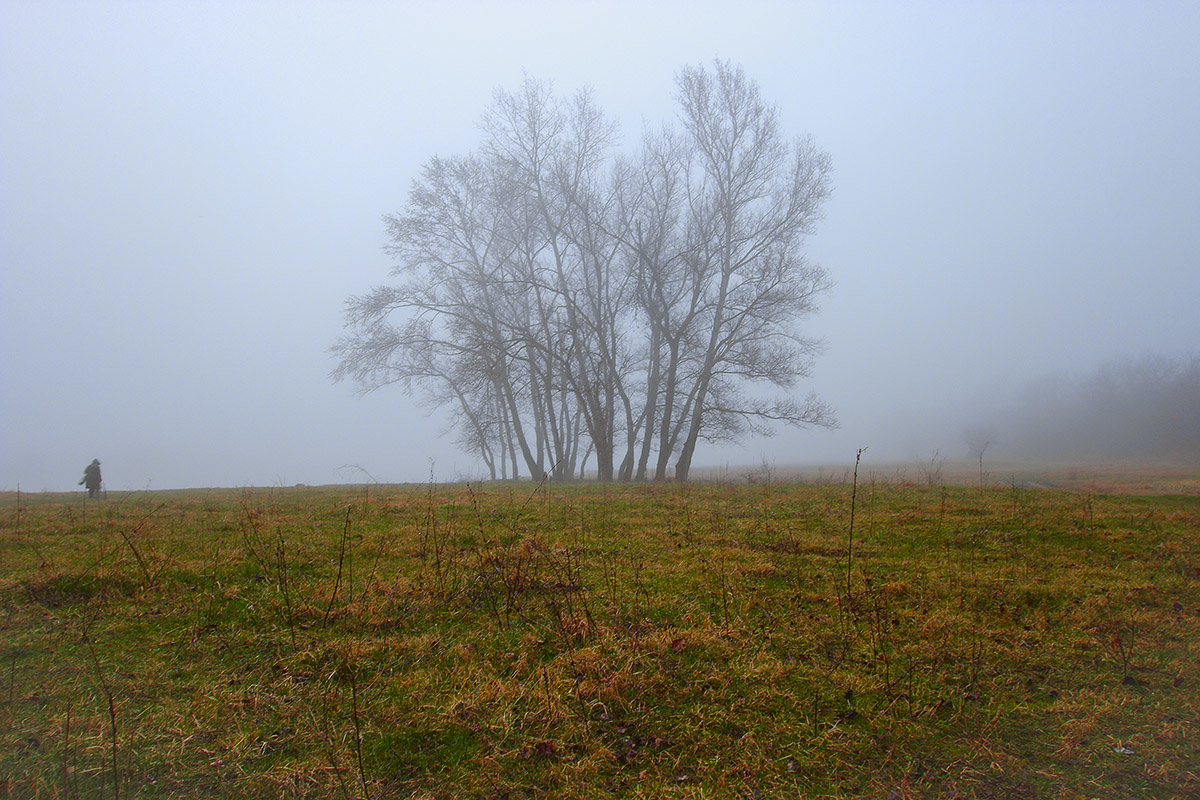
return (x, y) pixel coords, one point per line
(979, 439)
(932, 471)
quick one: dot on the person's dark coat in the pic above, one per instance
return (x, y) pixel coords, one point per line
(91, 477)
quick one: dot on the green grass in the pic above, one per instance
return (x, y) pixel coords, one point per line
(691, 641)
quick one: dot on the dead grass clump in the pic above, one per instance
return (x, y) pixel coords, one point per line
(65, 589)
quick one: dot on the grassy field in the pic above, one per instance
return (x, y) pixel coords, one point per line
(881, 639)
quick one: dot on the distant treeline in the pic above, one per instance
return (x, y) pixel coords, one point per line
(1131, 408)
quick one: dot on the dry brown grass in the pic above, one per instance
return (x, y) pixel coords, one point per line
(597, 641)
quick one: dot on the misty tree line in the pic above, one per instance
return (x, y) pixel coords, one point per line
(1147, 407)
(568, 303)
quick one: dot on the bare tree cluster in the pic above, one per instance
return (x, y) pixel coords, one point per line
(566, 302)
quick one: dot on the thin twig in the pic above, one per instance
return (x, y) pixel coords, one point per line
(853, 498)
(341, 560)
(281, 552)
(112, 713)
(362, 773)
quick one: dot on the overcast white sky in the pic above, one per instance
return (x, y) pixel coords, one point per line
(189, 191)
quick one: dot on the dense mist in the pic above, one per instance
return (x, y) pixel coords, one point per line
(1146, 409)
(189, 192)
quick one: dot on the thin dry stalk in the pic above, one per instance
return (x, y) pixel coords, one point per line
(326, 735)
(112, 713)
(281, 554)
(70, 787)
(358, 737)
(341, 561)
(850, 544)
(136, 553)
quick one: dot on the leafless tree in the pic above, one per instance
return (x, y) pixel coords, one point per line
(978, 440)
(564, 302)
(749, 199)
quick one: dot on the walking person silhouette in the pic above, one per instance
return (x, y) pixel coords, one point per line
(91, 477)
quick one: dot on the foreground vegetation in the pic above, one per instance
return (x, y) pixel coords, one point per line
(595, 641)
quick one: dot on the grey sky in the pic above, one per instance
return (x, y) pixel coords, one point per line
(189, 191)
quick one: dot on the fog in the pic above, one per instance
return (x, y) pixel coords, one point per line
(190, 191)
